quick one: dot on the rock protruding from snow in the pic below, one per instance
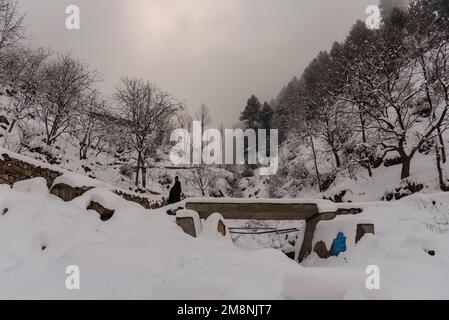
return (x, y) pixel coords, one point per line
(215, 228)
(189, 221)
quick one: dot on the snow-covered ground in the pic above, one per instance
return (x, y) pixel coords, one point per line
(387, 179)
(143, 254)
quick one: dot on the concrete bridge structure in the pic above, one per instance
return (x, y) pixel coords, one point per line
(311, 211)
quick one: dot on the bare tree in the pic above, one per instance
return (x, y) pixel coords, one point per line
(144, 110)
(66, 81)
(201, 177)
(11, 25)
(91, 125)
(25, 74)
(203, 116)
(430, 47)
(389, 86)
(184, 120)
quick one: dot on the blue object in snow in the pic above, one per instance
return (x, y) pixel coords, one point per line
(339, 244)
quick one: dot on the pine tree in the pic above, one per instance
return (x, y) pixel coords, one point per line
(442, 7)
(265, 117)
(288, 107)
(250, 116)
(387, 6)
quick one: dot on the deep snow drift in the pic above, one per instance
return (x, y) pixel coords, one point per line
(142, 254)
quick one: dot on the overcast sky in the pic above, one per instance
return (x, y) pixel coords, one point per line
(216, 52)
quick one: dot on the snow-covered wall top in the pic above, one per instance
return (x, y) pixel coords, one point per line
(322, 205)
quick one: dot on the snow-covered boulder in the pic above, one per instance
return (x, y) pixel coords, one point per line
(189, 221)
(35, 185)
(214, 227)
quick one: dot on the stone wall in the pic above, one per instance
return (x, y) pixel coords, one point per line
(13, 170)
(68, 193)
(143, 201)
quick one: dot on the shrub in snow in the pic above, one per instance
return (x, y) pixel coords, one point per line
(427, 147)
(216, 193)
(126, 170)
(388, 162)
(247, 172)
(234, 190)
(276, 183)
(337, 197)
(299, 174)
(164, 179)
(327, 180)
(406, 188)
(275, 187)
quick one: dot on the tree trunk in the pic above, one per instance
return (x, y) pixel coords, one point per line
(315, 162)
(139, 156)
(137, 176)
(12, 126)
(337, 158)
(365, 154)
(50, 136)
(144, 176)
(443, 148)
(443, 185)
(429, 100)
(370, 172)
(405, 172)
(83, 152)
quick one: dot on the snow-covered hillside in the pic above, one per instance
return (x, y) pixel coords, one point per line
(294, 179)
(142, 254)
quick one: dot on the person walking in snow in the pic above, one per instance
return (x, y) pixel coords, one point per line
(175, 192)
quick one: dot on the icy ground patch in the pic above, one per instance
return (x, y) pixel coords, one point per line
(142, 254)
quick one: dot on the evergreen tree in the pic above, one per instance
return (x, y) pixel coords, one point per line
(250, 115)
(387, 6)
(442, 7)
(265, 117)
(288, 107)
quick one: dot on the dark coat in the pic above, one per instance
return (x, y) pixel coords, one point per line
(175, 193)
